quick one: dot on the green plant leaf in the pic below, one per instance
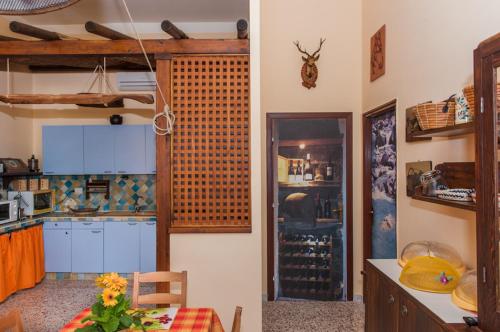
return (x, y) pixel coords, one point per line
(126, 320)
(97, 309)
(111, 325)
(90, 328)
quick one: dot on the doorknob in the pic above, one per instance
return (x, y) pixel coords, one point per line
(404, 310)
(391, 299)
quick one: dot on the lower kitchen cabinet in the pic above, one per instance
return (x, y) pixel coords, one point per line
(148, 246)
(57, 247)
(94, 246)
(122, 247)
(389, 308)
(87, 251)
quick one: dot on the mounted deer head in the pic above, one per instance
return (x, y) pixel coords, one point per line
(309, 70)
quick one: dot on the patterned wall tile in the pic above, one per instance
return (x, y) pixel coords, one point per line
(124, 191)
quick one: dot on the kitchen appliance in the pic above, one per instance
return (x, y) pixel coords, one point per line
(14, 166)
(34, 202)
(8, 211)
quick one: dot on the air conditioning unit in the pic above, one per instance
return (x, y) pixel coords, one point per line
(136, 81)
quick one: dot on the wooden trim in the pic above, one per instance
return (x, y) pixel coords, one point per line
(163, 175)
(270, 117)
(485, 58)
(367, 157)
(218, 229)
(110, 47)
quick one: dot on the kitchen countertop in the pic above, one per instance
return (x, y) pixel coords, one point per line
(61, 216)
(440, 304)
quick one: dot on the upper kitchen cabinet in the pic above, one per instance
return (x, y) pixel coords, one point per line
(150, 150)
(99, 148)
(127, 149)
(62, 150)
(130, 146)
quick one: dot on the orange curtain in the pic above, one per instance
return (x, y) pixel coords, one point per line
(21, 260)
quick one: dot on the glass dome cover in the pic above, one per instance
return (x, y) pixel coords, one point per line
(432, 249)
(465, 295)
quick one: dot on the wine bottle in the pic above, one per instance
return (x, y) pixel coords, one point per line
(340, 213)
(299, 176)
(308, 170)
(328, 208)
(291, 172)
(319, 209)
(329, 171)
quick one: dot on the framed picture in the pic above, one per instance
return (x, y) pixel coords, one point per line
(413, 172)
(377, 55)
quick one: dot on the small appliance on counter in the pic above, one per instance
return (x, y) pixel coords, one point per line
(34, 202)
(8, 211)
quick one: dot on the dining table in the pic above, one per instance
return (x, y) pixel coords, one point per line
(163, 319)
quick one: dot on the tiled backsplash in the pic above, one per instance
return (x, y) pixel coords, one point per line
(124, 190)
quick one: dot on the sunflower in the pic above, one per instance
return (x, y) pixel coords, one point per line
(109, 297)
(112, 281)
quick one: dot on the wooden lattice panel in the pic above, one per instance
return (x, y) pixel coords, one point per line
(211, 160)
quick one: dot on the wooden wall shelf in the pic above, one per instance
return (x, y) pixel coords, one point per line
(451, 131)
(311, 184)
(457, 204)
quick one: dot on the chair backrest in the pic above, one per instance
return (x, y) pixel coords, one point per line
(237, 320)
(11, 322)
(159, 298)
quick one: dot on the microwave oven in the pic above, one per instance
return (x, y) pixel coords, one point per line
(8, 211)
(34, 202)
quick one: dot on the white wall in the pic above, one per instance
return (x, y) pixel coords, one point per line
(338, 86)
(429, 57)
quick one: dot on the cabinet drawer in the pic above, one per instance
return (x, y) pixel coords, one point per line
(88, 225)
(57, 225)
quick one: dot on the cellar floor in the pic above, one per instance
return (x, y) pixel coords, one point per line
(306, 316)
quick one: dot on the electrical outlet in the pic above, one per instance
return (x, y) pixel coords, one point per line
(79, 190)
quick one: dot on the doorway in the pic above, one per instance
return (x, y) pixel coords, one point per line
(380, 182)
(309, 206)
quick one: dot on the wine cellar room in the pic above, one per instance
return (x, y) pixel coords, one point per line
(309, 159)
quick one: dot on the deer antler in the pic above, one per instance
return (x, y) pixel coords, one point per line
(300, 49)
(321, 41)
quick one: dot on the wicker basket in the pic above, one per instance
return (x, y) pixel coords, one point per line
(431, 115)
(471, 99)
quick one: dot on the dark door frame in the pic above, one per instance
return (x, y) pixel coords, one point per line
(347, 116)
(367, 177)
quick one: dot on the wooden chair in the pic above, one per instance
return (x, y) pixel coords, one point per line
(11, 322)
(237, 320)
(159, 298)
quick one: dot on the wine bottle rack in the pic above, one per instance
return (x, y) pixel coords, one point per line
(310, 266)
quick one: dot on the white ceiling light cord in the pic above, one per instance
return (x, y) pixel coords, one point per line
(167, 113)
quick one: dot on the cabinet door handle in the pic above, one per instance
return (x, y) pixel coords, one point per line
(48, 172)
(404, 310)
(96, 232)
(55, 225)
(391, 299)
(122, 172)
(150, 223)
(132, 223)
(107, 172)
(87, 223)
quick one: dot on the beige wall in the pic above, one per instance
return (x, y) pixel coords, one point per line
(429, 57)
(338, 86)
(15, 122)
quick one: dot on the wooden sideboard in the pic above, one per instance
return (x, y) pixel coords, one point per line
(391, 307)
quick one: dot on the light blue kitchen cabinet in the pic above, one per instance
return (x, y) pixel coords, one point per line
(148, 246)
(130, 145)
(98, 150)
(62, 150)
(150, 149)
(87, 251)
(57, 247)
(121, 247)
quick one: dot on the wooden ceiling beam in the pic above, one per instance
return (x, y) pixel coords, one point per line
(173, 30)
(101, 30)
(32, 31)
(242, 28)
(129, 47)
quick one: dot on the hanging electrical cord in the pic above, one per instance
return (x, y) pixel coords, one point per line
(167, 113)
